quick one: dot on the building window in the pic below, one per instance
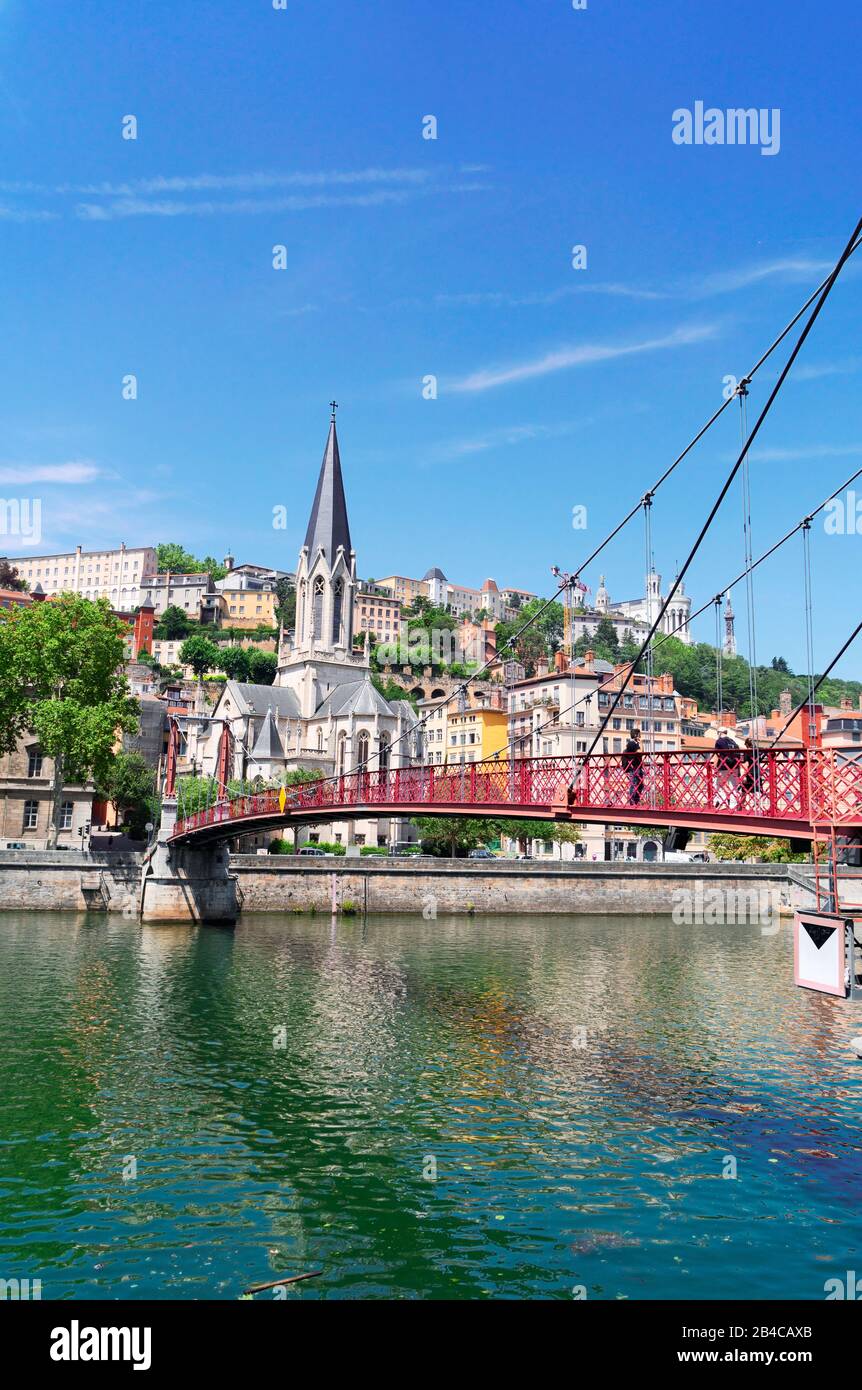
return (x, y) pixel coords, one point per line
(34, 762)
(66, 810)
(362, 749)
(337, 601)
(31, 815)
(317, 609)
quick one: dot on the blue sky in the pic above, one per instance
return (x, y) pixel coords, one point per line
(409, 257)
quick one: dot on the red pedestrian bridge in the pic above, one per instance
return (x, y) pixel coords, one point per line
(790, 794)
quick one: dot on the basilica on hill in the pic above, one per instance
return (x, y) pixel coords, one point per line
(323, 710)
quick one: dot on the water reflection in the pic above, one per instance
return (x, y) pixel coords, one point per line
(579, 1083)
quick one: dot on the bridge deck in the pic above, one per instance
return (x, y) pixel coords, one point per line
(785, 793)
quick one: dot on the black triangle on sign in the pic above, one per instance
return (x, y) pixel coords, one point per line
(818, 932)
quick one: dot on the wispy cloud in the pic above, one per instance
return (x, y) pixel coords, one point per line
(804, 451)
(78, 471)
(815, 370)
(155, 196)
(583, 355)
(507, 436)
(507, 300)
(787, 268)
(140, 207)
(8, 214)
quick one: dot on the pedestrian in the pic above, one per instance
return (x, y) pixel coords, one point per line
(632, 761)
(728, 754)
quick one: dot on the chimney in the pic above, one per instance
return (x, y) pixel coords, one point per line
(846, 703)
(785, 704)
(542, 667)
(560, 662)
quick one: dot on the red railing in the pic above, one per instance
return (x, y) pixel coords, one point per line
(819, 787)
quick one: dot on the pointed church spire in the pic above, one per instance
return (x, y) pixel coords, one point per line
(268, 747)
(328, 525)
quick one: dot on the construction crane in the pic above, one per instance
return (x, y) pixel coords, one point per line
(572, 597)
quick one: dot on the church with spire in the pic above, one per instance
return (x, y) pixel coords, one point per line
(323, 711)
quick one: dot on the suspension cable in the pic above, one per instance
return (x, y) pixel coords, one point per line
(742, 391)
(719, 667)
(809, 622)
(761, 559)
(807, 700)
(782, 377)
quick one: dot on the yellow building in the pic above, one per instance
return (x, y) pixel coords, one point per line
(402, 588)
(477, 734)
(248, 607)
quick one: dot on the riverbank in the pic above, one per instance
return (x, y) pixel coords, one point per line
(102, 882)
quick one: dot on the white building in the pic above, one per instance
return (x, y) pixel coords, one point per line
(117, 575)
(645, 610)
(323, 711)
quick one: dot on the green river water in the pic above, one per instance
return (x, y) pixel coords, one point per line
(539, 1107)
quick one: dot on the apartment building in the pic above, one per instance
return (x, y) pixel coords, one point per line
(476, 734)
(26, 801)
(248, 607)
(194, 594)
(403, 589)
(117, 575)
(375, 610)
(459, 599)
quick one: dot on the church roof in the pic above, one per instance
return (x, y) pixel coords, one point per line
(268, 746)
(356, 697)
(328, 525)
(260, 697)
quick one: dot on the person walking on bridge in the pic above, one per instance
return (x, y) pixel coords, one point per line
(728, 754)
(633, 762)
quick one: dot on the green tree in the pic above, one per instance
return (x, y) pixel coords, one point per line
(174, 624)
(235, 662)
(285, 608)
(61, 677)
(10, 578)
(200, 653)
(449, 834)
(174, 558)
(262, 667)
(129, 786)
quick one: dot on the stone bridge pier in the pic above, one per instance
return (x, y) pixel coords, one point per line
(181, 884)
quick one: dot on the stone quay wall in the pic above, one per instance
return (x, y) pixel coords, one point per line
(41, 881)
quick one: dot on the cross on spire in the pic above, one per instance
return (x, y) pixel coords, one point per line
(334, 407)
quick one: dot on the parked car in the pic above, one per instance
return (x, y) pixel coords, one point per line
(313, 851)
(480, 854)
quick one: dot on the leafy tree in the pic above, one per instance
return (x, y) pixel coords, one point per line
(391, 690)
(262, 667)
(779, 664)
(209, 565)
(296, 775)
(449, 834)
(129, 786)
(606, 642)
(61, 677)
(285, 608)
(173, 624)
(738, 847)
(236, 662)
(200, 653)
(173, 557)
(10, 578)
